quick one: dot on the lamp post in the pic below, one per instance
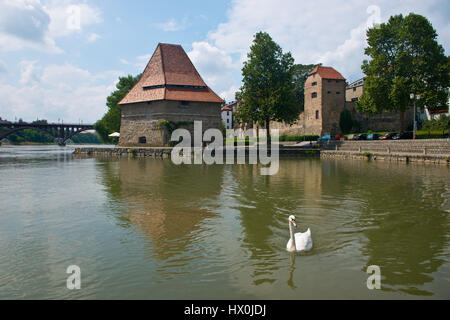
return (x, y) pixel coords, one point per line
(412, 96)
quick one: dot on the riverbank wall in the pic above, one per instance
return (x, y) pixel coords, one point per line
(165, 152)
(436, 151)
(425, 151)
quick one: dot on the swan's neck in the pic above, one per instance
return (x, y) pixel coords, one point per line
(291, 230)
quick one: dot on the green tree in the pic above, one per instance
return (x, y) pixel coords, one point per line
(405, 59)
(300, 74)
(346, 121)
(111, 120)
(268, 91)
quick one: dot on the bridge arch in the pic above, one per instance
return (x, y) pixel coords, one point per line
(14, 130)
(54, 134)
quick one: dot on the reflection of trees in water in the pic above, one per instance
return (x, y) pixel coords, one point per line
(403, 221)
(265, 203)
(163, 201)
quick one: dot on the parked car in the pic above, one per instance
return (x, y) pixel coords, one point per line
(340, 137)
(373, 136)
(403, 135)
(361, 136)
(388, 136)
(325, 138)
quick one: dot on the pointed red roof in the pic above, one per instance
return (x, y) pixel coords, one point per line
(327, 73)
(170, 75)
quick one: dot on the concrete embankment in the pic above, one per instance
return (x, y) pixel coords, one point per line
(424, 151)
(166, 151)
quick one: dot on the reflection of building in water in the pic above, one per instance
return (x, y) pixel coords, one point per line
(165, 201)
(405, 226)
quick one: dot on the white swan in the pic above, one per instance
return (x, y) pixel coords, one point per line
(299, 241)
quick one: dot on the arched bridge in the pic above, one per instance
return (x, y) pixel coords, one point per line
(60, 132)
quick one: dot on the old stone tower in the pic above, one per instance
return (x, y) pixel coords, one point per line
(170, 93)
(324, 101)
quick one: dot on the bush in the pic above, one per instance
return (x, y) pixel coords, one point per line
(441, 124)
(298, 138)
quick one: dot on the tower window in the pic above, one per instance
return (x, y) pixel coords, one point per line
(314, 95)
(317, 114)
(142, 140)
(314, 83)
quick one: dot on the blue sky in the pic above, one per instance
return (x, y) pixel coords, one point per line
(59, 59)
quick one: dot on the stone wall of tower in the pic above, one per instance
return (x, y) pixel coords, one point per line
(142, 120)
(313, 105)
(333, 102)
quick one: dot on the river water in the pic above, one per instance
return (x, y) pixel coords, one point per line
(148, 229)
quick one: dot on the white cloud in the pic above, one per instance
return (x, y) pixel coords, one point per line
(69, 16)
(215, 66)
(230, 94)
(93, 37)
(125, 61)
(28, 74)
(57, 91)
(172, 25)
(29, 24)
(24, 24)
(331, 32)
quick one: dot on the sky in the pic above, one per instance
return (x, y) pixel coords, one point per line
(60, 59)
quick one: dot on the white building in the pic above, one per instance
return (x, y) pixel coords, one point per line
(227, 117)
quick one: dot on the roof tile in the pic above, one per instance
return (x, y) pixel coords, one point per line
(172, 73)
(327, 73)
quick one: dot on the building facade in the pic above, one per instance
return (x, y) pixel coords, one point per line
(170, 94)
(326, 95)
(227, 117)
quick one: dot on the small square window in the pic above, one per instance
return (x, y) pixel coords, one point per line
(314, 95)
(314, 83)
(142, 140)
(337, 92)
